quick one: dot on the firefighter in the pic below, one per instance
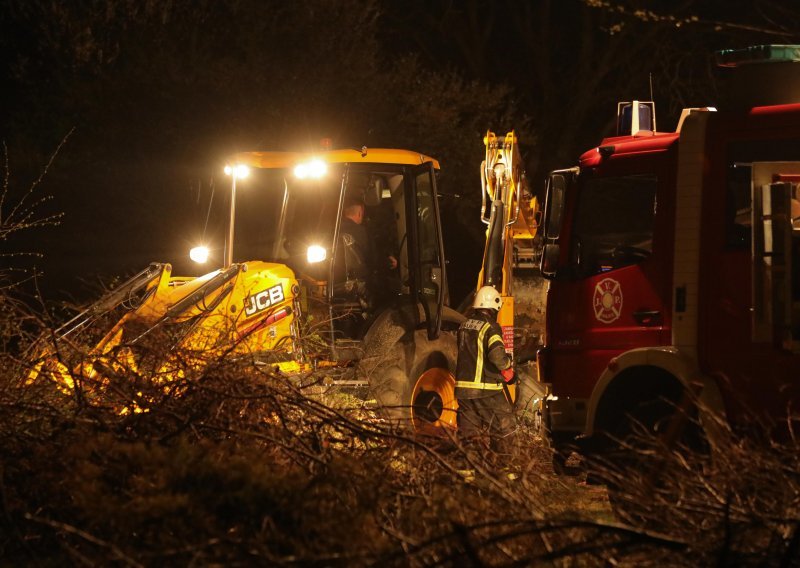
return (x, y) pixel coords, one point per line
(482, 368)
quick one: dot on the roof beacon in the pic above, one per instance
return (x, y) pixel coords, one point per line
(635, 116)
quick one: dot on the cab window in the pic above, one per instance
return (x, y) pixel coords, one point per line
(738, 206)
(613, 224)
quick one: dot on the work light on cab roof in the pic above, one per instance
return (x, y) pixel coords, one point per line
(239, 171)
(313, 169)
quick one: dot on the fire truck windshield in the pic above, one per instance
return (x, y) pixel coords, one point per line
(613, 223)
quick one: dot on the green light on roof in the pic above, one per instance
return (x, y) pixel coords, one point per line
(758, 54)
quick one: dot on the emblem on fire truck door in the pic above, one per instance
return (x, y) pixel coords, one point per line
(607, 301)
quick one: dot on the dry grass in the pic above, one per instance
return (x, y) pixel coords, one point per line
(235, 465)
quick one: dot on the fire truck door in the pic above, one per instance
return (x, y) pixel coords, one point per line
(614, 298)
(776, 251)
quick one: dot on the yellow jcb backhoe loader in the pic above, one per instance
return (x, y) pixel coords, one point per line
(307, 303)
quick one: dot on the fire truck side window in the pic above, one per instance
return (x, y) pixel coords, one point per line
(613, 224)
(738, 207)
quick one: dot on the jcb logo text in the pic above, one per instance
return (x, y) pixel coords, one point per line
(263, 300)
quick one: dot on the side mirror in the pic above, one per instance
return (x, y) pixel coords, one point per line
(555, 205)
(550, 255)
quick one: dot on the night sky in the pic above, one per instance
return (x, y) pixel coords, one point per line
(147, 98)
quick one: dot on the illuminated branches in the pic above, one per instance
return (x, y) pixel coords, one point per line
(21, 212)
(237, 464)
(691, 17)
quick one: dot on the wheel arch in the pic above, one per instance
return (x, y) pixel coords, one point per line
(667, 371)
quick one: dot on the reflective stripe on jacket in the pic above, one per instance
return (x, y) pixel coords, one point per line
(481, 354)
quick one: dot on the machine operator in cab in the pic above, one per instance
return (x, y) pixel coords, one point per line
(356, 242)
(483, 367)
(362, 253)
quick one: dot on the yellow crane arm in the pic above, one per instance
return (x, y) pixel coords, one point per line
(512, 216)
(509, 210)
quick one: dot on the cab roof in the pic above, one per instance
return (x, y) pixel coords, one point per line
(279, 160)
(636, 144)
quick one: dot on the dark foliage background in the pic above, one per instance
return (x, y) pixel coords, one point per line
(156, 94)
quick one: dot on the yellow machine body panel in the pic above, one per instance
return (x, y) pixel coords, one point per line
(279, 160)
(261, 309)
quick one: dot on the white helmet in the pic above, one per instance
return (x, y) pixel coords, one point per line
(487, 298)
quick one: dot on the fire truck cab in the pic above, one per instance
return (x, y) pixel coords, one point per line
(674, 265)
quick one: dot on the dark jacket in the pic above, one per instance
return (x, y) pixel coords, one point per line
(481, 355)
(355, 252)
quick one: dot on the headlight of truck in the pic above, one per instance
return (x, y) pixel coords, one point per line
(239, 171)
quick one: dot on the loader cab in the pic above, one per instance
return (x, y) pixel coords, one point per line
(398, 254)
(350, 271)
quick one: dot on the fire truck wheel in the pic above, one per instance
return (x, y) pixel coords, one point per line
(648, 463)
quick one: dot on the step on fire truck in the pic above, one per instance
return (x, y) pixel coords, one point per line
(674, 267)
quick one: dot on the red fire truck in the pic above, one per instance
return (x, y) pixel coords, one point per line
(674, 267)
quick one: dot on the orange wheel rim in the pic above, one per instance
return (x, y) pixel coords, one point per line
(433, 402)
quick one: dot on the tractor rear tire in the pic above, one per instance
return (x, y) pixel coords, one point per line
(411, 383)
(411, 377)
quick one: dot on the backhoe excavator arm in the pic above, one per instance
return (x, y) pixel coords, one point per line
(511, 213)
